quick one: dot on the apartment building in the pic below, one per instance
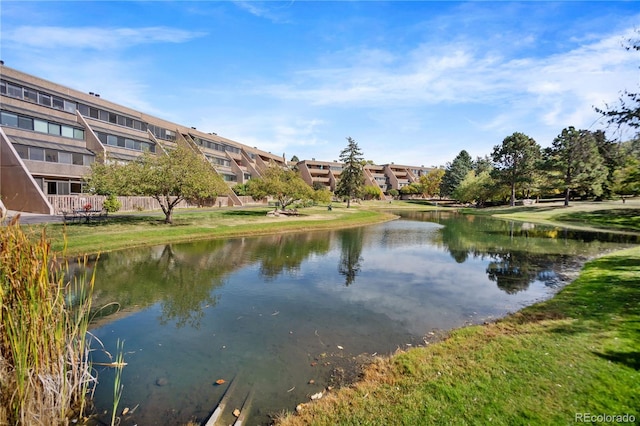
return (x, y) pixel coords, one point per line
(50, 134)
(386, 176)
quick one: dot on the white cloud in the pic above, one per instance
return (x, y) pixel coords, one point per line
(94, 38)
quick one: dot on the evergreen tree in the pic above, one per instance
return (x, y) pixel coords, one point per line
(574, 161)
(455, 173)
(515, 160)
(352, 176)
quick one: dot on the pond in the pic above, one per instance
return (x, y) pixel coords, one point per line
(282, 317)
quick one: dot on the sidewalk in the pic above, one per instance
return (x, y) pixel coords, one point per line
(32, 218)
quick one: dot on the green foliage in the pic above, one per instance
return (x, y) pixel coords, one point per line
(179, 175)
(455, 172)
(476, 189)
(352, 175)
(370, 192)
(241, 189)
(322, 195)
(286, 186)
(430, 183)
(411, 189)
(44, 369)
(394, 193)
(111, 204)
(516, 161)
(573, 160)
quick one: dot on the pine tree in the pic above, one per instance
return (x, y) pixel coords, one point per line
(352, 176)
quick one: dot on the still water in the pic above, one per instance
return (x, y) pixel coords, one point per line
(285, 316)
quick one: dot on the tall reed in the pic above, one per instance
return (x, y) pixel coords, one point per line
(45, 374)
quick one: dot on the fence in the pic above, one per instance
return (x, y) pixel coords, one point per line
(62, 203)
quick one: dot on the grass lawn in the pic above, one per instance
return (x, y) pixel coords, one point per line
(576, 353)
(144, 229)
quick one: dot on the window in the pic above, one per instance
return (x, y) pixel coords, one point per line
(40, 126)
(93, 112)
(63, 188)
(84, 109)
(52, 188)
(25, 123)
(14, 90)
(58, 103)
(78, 134)
(65, 158)
(77, 159)
(66, 131)
(9, 119)
(70, 107)
(54, 129)
(104, 115)
(76, 188)
(3, 87)
(112, 118)
(129, 143)
(51, 156)
(44, 99)
(88, 159)
(23, 151)
(112, 140)
(30, 95)
(121, 142)
(36, 154)
(121, 120)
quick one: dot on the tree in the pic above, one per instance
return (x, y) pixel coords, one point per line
(515, 160)
(455, 173)
(284, 185)
(169, 178)
(626, 179)
(430, 183)
(352, 176)
(371, 192)
(573, 160)
(628, 110)
(475, 188)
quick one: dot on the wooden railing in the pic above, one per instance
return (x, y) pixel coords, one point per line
(62, 203)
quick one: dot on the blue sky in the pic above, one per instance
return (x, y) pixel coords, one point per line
(412, 82)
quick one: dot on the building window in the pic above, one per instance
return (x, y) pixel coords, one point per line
(9, 119)
(40, 126)
(25, 123)
(70, 107)
(30, 95)
(57, 103)
(66, 131)
(44, 99)
(65, 158)
(36, 154)
(78, 134)
(14, 91)
(54, 129)
(23, 151)
(51, 156)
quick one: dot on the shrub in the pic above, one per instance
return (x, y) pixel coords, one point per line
(112, 204)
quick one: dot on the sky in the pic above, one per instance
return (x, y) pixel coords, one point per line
(412, 83)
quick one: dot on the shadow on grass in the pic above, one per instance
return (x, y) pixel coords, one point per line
(607, 292)
(244, 213)
(630, 359)
(624, 219)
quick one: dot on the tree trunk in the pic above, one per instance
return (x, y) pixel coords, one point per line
(348, 202)
(513, 194)
(567, 194)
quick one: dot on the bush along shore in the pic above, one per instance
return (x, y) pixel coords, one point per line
(572, 359)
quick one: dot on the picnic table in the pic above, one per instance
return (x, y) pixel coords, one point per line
(86, 214)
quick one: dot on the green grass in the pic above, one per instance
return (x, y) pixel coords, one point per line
(134, 230)
(576, 353)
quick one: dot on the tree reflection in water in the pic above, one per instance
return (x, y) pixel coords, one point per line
(351, 254)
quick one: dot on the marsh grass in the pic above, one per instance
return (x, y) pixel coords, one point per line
(45, 374)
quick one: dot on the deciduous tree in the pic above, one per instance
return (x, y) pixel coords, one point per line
(178, 175)
(284, 185)
(430, 183)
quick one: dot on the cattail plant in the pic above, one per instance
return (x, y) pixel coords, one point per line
(45, 373)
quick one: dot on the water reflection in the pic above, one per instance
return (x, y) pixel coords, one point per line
(275, 310)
